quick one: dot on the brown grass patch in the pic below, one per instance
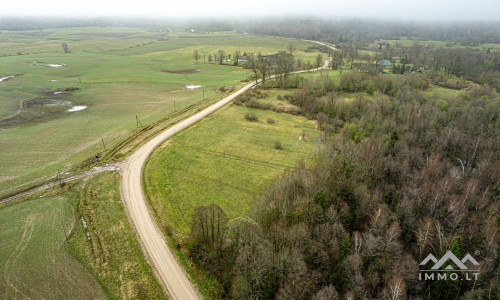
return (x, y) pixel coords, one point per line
(190, 71)
(149, 37)
(105, 34)
(38, 33)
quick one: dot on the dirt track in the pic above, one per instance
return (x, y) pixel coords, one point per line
(168, 270)
(42, 187)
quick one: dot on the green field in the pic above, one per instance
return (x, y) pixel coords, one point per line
(226, 160)
(79, 39)
(37, 263)
(112, 253)
(117, 72)
(33, 261)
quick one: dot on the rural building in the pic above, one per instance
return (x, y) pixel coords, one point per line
(386, 64)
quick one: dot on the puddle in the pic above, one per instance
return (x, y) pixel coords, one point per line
(53, 80)
(56, 103)
(77, 108)
(190, 71)
(6, 78)
(45, 102)
(55, 65)
(192, 87)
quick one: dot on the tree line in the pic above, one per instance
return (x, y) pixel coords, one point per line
(368, 31)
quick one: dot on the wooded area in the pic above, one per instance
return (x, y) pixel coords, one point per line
(402, 175)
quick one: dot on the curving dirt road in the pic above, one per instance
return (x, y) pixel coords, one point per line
(168, 270)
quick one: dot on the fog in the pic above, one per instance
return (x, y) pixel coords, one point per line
(479, 10)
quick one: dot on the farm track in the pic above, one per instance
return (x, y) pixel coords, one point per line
(45, 186)
(169, 272)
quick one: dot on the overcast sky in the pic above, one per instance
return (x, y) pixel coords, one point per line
(487, 10)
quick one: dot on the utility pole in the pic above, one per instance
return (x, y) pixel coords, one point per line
(59, 177)
(103, 143)
(137, 121)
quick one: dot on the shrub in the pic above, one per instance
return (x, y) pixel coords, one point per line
(480, 91)
(277, 145)
(167, 227)
(303, 135)
(251, 117)
(280, 97)
(443, 105)
(270, 121)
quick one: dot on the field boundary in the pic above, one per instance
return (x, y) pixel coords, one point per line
(91, 166)
(172, 276)
(55, 182)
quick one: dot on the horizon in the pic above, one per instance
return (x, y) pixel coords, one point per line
(426, 10)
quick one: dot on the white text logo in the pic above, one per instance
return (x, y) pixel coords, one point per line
(443, 269)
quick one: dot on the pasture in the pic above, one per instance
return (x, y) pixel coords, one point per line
(104, 240)
(33, 261)
(116, 74)
(225, 159)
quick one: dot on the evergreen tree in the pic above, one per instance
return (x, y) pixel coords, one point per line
(457, 247)
(320, 199)
(345, 247)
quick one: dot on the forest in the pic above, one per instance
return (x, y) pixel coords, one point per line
(402, 173)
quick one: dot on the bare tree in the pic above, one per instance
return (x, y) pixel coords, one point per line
(264, 66)
(327, 293)
(396, 289)
(285, 64)
(322, 119)
(319, 61)
(236, 57)
(208, 224)
(65, 47)
(196, 55)
(291, 48)
(220, 56)
(337, 59)
(253, 64)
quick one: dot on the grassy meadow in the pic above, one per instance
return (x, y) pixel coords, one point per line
(117, 74)
(38, 263)
(225, 159)
(33, 260)
(112, 252)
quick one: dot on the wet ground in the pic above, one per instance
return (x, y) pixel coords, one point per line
(54, 104)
